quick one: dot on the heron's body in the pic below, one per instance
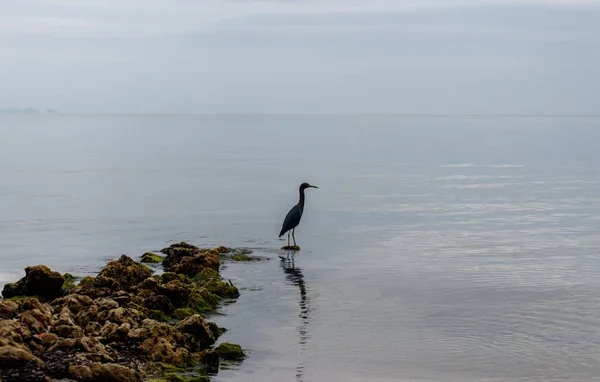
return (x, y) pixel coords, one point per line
(293, 217)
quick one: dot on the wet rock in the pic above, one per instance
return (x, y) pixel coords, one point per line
(13, 333)
(159, 302)
(122, 315)
(210, 358)
(69, 281)
(93, 328)
(108, 330)
(97, 372)
(230, 352)
(197, 335)
(39, 281)
(222, 249)
(177, 292)
(106, 303)
(290, 248)
(107, 320)
(118, 276)
(244, 258)
(215, 329)
(213, 283)
(32, 323)
(174, 377)
(182, 313)
(151, 258)
(151, 283)
(14, 357)
(49, 339)
(190, 266)
(85, 317)
(188, 260)
(75, 303)
(125, 272)
(8, 309)
(170, 276)
(68, 331)
(161, 350)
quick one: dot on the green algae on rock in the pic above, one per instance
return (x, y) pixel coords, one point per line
(230, 352)
(69, 281)
(290, 248)
(109, 327)
(152, 258)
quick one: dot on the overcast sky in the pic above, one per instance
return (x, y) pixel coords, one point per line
(315, 56)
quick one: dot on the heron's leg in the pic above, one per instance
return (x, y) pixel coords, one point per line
(288, 238)
(294, 237)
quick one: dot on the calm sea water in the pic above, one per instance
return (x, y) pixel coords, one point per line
(436, 249)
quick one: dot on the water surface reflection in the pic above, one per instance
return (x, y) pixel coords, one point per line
(294, 275)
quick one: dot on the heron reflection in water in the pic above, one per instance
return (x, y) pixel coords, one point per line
(294, 275)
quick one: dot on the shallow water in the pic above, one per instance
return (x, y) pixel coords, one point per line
(436, 249)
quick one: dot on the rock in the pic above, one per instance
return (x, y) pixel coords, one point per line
(32, 323)
(244, 258)
(117, 275)
(28, 303)
(85, 317)
(75, 303)
(215, 329)
(159, 302)
(222, 249)
(189, 260)
(13, 333)
(106, 303)
(151, 283)
(161, 343)
(161, 350)
(193, 265)
(170, 276)
(230, 352)
(69, 281)
(108, 330)
(177, 292)
(49, 339)
(8, 309)
(174, 377)
(68, 331)
(92, 328)
(97, 372)
(211, 359)
(39, 281)
(196, 332)
(182, 313)
(222, 288)
(213, 283)
(151, 258)
(102, 328)
(121, 315)
(14, 357)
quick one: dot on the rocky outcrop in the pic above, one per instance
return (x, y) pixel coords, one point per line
(116, 326)
(39, 281)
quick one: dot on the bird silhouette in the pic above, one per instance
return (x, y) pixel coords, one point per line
(292, 219)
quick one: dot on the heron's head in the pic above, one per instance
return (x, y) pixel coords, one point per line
(304, 186)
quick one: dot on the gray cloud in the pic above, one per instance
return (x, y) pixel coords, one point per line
(315, 56)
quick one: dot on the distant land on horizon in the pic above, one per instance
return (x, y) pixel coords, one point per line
(29, 110)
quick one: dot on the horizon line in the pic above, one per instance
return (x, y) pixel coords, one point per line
(309, 114)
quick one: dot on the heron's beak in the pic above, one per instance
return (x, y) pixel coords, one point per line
(313, 187)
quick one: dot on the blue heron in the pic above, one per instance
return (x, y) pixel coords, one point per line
(292, 219)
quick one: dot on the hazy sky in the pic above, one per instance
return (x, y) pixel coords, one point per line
(318, 56)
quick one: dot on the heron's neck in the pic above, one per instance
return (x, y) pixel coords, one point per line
(301, 202)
